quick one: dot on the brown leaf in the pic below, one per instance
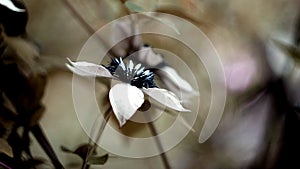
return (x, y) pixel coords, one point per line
(8, 104)
(5, 148)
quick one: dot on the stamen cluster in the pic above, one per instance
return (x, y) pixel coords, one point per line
(135, 75)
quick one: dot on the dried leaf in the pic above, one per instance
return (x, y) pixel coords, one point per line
(27, 53)
(66, 150)
(98, 160)
(5, 148)
(8, 104)
(81, 151)
(125, 100)
(166, 98)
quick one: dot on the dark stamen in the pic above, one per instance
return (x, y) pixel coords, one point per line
(135, 76)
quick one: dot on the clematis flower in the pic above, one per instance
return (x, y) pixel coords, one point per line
(145, 55)
(134, 82)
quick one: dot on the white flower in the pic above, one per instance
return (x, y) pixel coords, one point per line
(127, 96)
(145, 55)
(10, 5)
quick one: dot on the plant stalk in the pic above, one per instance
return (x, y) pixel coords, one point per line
(163, 155)
(93, 146)
(43, 141)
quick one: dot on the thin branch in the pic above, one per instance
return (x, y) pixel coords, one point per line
(90, 30)
(43, 141)
(163, 155)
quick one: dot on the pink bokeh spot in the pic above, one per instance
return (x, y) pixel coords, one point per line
(240, 74)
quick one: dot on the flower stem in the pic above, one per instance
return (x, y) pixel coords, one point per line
(93, 146)
(163, 155)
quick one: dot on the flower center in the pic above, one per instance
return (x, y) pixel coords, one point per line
(135, 75)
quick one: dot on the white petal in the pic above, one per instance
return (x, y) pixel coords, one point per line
(148, 57)
(11, 6)
(77, 71)
(169, 74)
(166, 98)
(88, 69)
(125, 100)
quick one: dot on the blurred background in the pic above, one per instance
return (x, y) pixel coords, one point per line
(262, 78)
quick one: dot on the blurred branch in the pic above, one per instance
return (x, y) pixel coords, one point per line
(158, 143)
(41, 138)
(90, 30)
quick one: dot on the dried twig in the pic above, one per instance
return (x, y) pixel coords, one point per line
(41, 138)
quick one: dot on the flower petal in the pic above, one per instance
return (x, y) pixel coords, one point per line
(147, 56)
(125, 100)
(171, 78)
(167, 74)
(10, 5)
(88, 69)
(166, 98)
